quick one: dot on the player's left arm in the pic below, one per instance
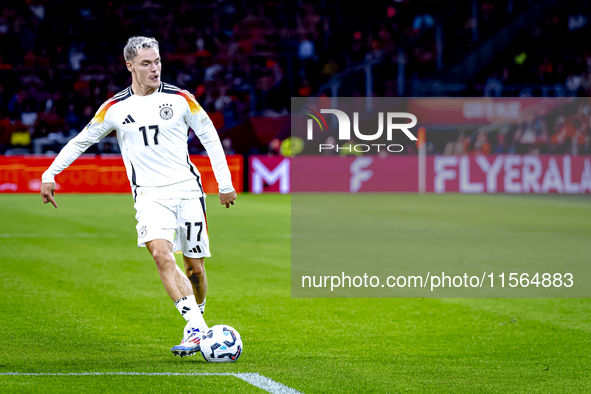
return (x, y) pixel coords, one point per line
(199, 121)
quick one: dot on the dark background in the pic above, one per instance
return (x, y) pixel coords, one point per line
(243, 60)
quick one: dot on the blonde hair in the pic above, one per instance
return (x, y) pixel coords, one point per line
(136, 43)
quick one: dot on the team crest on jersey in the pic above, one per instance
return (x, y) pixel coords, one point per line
(143, 232)
(166, 111)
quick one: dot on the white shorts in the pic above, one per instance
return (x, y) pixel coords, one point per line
(181, 221)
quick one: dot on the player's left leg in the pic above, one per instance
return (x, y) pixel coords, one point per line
(194, 242)
(192, 238)
(195, 270)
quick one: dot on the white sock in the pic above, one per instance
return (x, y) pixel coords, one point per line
(202, 306)
(188, 307)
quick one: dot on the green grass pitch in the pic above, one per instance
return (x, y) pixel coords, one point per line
(78, 296)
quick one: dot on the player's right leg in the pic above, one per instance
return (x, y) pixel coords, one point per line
(180, 290)
(176, 284)
(156, 230)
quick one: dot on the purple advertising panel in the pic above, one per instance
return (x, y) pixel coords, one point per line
(269, 174)
(510, 174)
(544, 174)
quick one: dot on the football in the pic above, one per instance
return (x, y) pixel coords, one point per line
(221, 344)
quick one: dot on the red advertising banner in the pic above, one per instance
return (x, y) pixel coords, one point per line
(464, 174)
(22, 174)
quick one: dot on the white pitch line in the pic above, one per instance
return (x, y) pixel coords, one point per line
(115, 373)
(255, 379)
(265, 383)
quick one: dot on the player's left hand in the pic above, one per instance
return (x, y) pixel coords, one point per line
(227, 199)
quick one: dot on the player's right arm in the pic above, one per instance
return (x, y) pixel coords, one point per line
(99, 127)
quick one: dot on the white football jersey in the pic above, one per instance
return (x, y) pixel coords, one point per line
(152, 132)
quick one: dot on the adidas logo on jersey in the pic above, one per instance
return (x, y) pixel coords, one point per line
(196, 249)
(129, 119)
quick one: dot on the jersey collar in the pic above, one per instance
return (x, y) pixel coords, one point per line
(157, 90)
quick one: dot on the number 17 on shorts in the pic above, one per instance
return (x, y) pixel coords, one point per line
(182, 222)
(192, 236)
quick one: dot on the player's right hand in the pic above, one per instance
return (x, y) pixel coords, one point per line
(47, 193)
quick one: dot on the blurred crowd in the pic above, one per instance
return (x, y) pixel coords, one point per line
(58, 63)
(551, 58)
(562, 130)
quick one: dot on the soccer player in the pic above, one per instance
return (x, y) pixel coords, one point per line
(151, 119)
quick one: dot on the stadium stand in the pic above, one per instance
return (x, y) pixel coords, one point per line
(244, 60)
